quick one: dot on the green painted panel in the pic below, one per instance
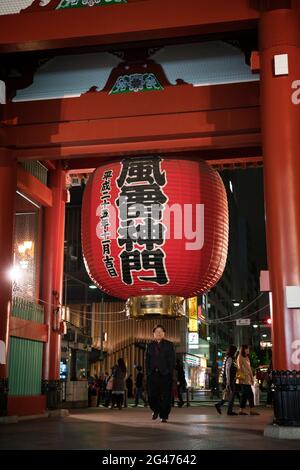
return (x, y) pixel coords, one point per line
(27, 310)
(36, 169)
(25, 366)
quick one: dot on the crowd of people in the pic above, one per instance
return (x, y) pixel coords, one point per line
(109, 389)
(164, 381)
(162, 384)
(237, 381)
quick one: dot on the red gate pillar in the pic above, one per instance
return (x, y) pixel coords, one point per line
(53, 260)
(280, 111)
(8, 185)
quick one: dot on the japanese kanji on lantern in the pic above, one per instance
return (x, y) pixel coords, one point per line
(154, 227)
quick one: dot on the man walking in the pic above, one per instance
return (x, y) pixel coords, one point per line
(160, 364)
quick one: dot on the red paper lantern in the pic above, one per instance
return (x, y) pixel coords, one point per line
(154, 225)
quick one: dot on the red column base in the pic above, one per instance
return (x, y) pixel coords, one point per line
(26, 405)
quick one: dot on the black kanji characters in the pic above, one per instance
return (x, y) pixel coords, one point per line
(141, 203)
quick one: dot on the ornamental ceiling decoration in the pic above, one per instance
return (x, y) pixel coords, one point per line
(137, 73)
(136, 82)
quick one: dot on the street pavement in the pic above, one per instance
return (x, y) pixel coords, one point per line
(193, 428)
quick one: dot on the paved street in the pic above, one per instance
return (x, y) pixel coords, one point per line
(193, 428)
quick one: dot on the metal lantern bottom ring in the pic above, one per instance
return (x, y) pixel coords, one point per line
(155, 305)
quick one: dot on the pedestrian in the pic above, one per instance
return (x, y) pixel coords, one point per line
(139, 387)
(129, 386)
(118, 384)
(160, 364)
(267, 385)
(108, 389)
(246, 380)
(99, 386)
(181, 382)
(214, 381)
(229, 369)
(104, 390)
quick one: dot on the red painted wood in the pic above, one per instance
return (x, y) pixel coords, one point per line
(52, 258)
(26, 405)
(280, 34)
(8, 185)
(137, 128)
(137, 21)
(246, 141)
(33, 187)
(28, 329)
(100, 105)
(221, 116)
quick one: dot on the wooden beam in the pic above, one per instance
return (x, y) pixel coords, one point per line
(49, 165)
(100, 105)
(137, 21)
(4, 152)
(77, 166)
(179, 119)
(228, 163)
(33, 187)
(137, 128)
(117, 150)
(28, 329)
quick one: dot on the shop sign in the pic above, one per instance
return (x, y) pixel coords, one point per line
(265, 344)
(192, 360)
(193, 338)
(243, 322)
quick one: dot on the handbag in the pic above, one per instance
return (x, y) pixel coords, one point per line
(267, 382)
(226, 394)
(240, 375)
(109, 385)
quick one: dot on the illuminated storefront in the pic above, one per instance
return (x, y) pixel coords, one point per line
(196, 371)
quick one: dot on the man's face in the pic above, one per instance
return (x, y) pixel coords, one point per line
(159, 334)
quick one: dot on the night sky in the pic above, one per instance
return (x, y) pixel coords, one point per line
(249, 194)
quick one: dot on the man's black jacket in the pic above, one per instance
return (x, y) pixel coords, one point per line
(164, 361)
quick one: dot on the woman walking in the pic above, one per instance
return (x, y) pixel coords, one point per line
(245, 379)
(118, 385)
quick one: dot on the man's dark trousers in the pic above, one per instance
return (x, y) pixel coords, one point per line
(160, 393)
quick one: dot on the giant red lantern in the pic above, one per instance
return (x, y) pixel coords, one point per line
(154, 225)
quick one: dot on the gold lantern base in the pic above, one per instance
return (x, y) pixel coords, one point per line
(155, 305)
